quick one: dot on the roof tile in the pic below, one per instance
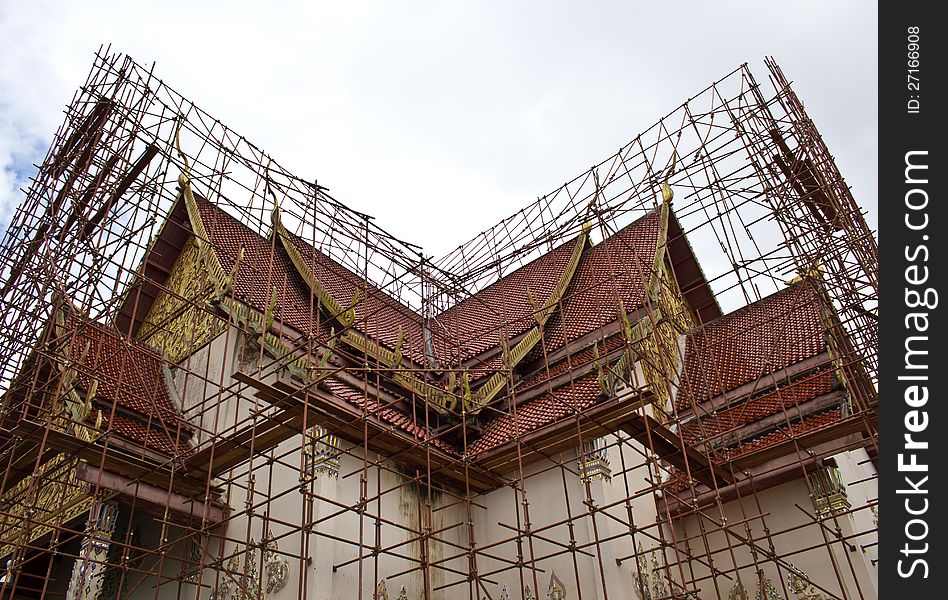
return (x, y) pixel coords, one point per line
(764, 337)
(128, 375)
(760, 406)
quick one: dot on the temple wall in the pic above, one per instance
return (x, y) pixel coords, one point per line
(785, 512)
(279, 506)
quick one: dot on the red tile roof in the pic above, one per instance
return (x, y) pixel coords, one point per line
(677, 481)
(150, 435)
(590, 301)
(615, 269)
(759, 407)
(532, 415)
(388, 414)
(579, 360)
(764, 337)
(761, 338)
(787, 432)
(265, 266)
(745, 345)
(262, 268)
(130, 377)
(474, 324)
(377, 315)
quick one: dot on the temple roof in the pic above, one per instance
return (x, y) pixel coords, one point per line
(773, 402)
(105, 382)
(558, 377)
(473, 325)
(130, 386)
(759, 376)
(377, 314)
(764, 337)
(616, 269)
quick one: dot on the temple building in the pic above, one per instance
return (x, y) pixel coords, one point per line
(617, 393)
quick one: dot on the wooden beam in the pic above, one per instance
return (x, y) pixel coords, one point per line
(185, 509)
(765, 476)
(756, 386)
(118, 460)
(669, 447)
(777, 419)
(846, 426)
(595, 421)
(342, 419)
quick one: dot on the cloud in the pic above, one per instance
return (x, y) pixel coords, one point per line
(441, 118)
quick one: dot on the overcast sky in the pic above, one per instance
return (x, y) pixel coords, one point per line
(463, 112)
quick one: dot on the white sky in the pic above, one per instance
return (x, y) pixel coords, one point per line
(441, 118)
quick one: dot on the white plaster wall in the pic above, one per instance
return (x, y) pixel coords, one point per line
(276, 503)
(784, 511)
(557, 511)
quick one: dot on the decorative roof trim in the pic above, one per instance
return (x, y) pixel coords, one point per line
(206, 252)
(344, 316)
(498, 381)
(442, 400)
(654, 279)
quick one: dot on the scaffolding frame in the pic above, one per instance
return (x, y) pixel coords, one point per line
(757, 194)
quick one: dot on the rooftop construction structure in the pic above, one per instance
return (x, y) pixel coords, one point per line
(219, 381)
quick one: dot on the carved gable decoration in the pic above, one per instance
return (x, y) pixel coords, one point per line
(180, 320)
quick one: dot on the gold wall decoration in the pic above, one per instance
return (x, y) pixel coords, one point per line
(321, 452)
(381, 592)
(556, 589)
(593, 462)
(42, 502)
(800, 585)
(276, 568)
(239, 582)
(670, 317)
(653, 338)
(180, 320)
(512, 356)
(829, 492)
(245, 581)
(649, 581)
(737, 592)
(766, 589)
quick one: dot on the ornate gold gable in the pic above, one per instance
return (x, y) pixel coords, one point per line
(54, 495)
(669, 315)
(179, 321)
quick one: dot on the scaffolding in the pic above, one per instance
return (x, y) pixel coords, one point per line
(220, 381)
